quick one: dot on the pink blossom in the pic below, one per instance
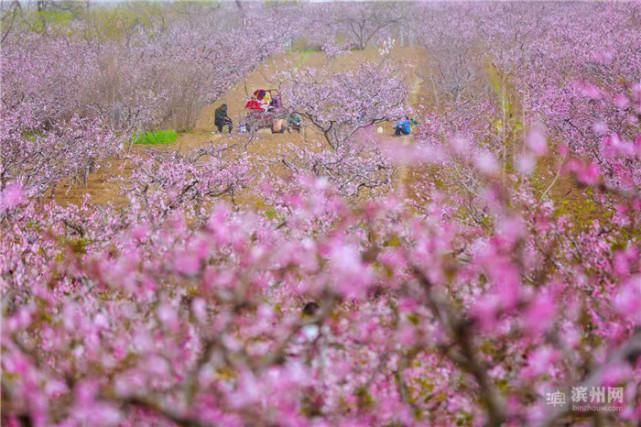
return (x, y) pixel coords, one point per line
(352, 276)
(589, 90)
(587, 174)
(540, 314)
(526, 164)
(628, 299)
(187, 264)
(486, 163)
(621, 101)
(11, 196)
(536, 141)
(541, 361)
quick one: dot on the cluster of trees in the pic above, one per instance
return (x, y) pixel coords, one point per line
(70, 98)
(465, 301)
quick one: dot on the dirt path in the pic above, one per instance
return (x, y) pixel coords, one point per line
(103, 188)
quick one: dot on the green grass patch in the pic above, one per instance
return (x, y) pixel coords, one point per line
(62, 17)
(158, 137)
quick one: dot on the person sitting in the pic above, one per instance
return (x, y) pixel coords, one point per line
(294, 121)
(276, 102)
(403, 127)
(253, 104)
(221, 119)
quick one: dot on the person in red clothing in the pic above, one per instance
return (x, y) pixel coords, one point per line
(253, 104)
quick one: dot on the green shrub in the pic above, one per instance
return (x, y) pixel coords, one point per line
(156, 138)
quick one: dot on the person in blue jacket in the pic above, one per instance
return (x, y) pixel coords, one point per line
(403, 127)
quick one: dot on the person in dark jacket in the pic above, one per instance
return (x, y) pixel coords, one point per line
(221, 119)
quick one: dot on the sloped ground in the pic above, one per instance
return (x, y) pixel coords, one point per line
(103, 187)
(267, 149)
